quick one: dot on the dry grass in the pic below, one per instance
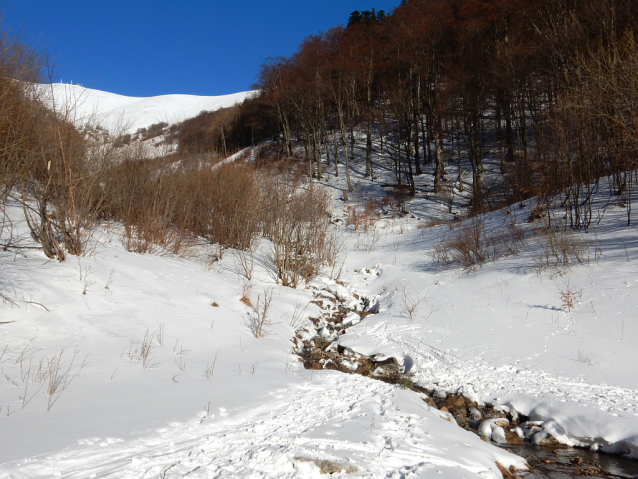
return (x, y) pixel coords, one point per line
(258, 320)
(245, 295)
(470, 246)
(143, 352)
(559, 246)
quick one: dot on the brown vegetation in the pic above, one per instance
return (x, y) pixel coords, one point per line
(547, 88)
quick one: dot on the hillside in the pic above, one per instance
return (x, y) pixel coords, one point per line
(122, 114)
(410, 253)
(120, 364)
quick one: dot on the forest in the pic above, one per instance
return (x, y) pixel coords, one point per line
(548, 88)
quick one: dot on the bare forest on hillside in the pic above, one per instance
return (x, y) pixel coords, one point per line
(545, 88)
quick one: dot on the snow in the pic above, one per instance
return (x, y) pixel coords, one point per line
(214, 401)
(256, 413)
(123, 114)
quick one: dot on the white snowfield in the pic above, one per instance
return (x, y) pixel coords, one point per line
(124, 114)
(122, 365)
(211, 400)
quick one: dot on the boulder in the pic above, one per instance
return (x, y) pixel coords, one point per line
(430, 402)
(454, 401)
(475, 414)
(513, 438)
(388, 364)
(310, 364)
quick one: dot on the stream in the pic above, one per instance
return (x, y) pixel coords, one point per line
(320, 350)
(563, 463)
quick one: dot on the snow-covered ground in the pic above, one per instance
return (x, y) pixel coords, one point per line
(124, 114)
(210, 400)
(504, 331)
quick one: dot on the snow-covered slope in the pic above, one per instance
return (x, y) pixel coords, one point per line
(124, 114)
(211, 400)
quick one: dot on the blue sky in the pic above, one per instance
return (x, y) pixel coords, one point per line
(157, 47)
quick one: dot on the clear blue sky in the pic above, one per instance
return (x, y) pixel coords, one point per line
(157, 47)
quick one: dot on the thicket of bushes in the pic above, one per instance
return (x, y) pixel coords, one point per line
(172, 204)
(68, 181)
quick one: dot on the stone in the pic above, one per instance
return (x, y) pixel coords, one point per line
(549, 441)
(329, 467)
(322, 343)
(454, 400)
(475, 414)
(498, 435)
(315, 353)
(459, 416)
(513, 438)
(332, 366)
(390, 364)
(345, 351)
(331, 355)
(310, 364)
(365, 367)
(430, 402)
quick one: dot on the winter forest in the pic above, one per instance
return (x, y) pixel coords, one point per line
(408, 251)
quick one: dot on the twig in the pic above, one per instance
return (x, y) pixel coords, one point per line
(166, 470)
(37, 304)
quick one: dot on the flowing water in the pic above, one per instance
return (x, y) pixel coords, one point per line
(563, 463)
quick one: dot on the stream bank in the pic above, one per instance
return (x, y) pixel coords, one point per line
(318, 348)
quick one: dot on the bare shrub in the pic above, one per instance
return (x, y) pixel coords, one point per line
(559, 247)
(297, 318)
(246, 261)
(296, 220)
(469, 244)
(49, 174)
(169, 205)
(442, 254)
(258, 321)
(448, 195)
(466, 244)
(509, 241)
(334, 253)
(410, 302)
(364, 217)
(367, 241)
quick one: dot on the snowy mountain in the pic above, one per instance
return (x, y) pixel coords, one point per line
(124, 114)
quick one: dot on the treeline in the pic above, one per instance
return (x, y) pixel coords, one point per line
(549, 87)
